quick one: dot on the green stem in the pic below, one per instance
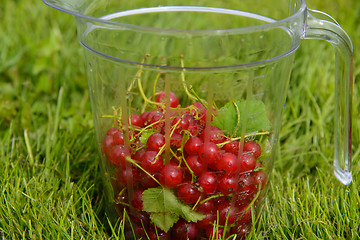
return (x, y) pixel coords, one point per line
(214, 196)
(246, 136)
(183, 79)
(238, 119)
(138, 166)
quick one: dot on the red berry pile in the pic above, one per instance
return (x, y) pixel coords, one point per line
(216, 175)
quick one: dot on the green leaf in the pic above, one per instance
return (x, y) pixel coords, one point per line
(235, 115)
(164, 221)
(165, 209)
(145, 135)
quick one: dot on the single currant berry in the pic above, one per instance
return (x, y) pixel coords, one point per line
(260, 178)
(208, 182)
(145, 117)
(107, 144)
(245, 216)
(196, 166)
(175, 140)
(200, 111)
(138, 154)
(193, 145)
(206, 207)
(246, 180)
(137, 202)
(171, 176)
(119, 137)
(136, 120)
(227, 185)
(253, 148)
(183, 230)
(139, 217)
(188, 193)
(244, 196)
(155, 142)
(207, 221)
(157, 120)
(112, 131)
(182, 122)
(209, 153)
(232, 147)
(247, 162)
(228, 163)
(148, 182)
(117, 155)
(151, 162)
(174, 101)
(227, 214)
(128, 176)
(241, 231)
(214, 135)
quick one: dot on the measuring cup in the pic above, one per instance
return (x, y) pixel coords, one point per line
(187, 99)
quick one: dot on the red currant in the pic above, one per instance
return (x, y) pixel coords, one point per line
(207, 206)
(171, 176)
(232, 147)
(227, 185)
(208, 182)
(245, 215)
(183, 230)
(195, 164)
(136, 120)
(209, 153)
(248, 162)
(119, 137)
(107, 144)
(207, 221)
(227, 214)
(174, 101)
(151, 162)
(193, 145)
(148, 182)
(175, 140)
(188, 193)
(137, 202)
(128, 176)
(157, 119)
(155, 142)
(253, 148)
(215, 135)
(229, 163)
(260, 178)
(241, 231)
(117, 155)
(112, 131)
(245, 195)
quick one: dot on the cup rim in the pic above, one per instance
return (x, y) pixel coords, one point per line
(105, 20)
(269, 23)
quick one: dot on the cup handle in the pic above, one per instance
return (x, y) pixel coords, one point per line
(320, 25)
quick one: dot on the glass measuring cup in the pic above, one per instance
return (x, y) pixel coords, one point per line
(187, 99)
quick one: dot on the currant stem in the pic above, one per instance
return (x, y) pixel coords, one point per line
(138, 166)
(214, 196)
(238, 119)
(246, 136)
(183, 79)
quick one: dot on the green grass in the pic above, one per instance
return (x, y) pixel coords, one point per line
(50, 179)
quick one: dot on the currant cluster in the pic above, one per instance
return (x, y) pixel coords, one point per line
(216, 175)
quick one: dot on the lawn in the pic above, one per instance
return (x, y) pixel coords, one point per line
(50, 179)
